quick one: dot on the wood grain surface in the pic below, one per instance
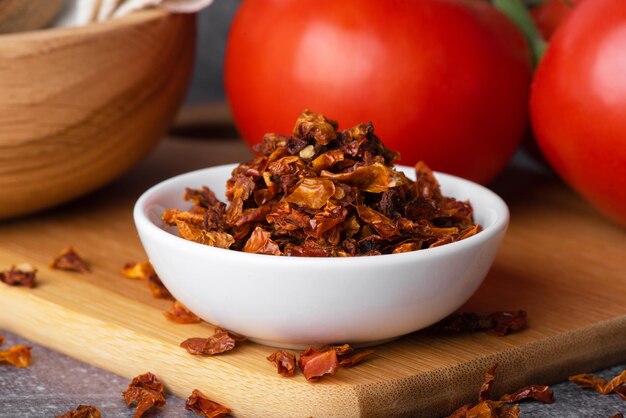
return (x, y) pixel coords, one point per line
(560, 261)
(79, 106)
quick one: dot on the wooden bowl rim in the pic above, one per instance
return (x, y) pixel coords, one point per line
(95, 28)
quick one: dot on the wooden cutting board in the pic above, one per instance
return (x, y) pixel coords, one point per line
(560, 261)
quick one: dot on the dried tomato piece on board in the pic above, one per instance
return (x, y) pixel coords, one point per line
(23, 274)
(315, 363)
(507, 322)
(138, 270)
(202, 406)
(284, 361)
(158, 290)
(181, 314)
(220, 342)
(498, 323)
(18, 355)
(69, 260)
(145, 391)
(83, 411)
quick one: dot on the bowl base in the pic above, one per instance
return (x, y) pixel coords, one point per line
(296, 346)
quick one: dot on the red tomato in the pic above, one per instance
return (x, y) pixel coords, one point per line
(444, 81)
(578, 104)
(549, 15)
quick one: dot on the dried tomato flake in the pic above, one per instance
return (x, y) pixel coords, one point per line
(83, 411)
(220, 342)
(324, 193)
(284, 361)
(506, 406)
(498, 323)
(158, 290)
(202, 406)
(145, 391)
(140, 270)
(143, 270)
(69, 260)
(181, 314)
(350, 360)
(23, 274)
(18, 355)
(617, 384)
(315, 363)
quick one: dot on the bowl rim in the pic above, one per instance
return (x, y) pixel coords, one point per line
(144, 224)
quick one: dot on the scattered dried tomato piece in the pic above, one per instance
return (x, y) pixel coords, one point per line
(324, 193)
(158, 290)
(140, 270)
(237, 337)
(143, 270)
(315, 363)
(353, 359)
(145, 391)
(18, 355)
(69, 260)
(498, 323)
(1, 339)
(507, 322)
(83, 411)
(181, 314)
(493, 409)
(506, 406)
(284, 361)
(618, 415)
(220, 342)
(539, 393)
(485, 388)
(202, 406)
(461, 412)
(23, 274)
(617, 384)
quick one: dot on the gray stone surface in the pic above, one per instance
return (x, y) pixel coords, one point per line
(56, 383)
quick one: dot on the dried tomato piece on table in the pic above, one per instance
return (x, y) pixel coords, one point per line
(18, 355)
(145, 391)
(69, 260)
(324, 193)
(616, 384)
(181, 314)
(83, 411)
(23, 274)
(506, 406)
(202, 406)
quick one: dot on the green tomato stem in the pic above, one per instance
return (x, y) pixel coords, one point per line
(517, 11)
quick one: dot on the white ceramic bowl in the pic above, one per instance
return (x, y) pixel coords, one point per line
(300, 301)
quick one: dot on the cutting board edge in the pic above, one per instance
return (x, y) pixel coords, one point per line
(517, 368)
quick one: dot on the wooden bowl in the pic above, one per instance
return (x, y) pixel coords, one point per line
(79, 106)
